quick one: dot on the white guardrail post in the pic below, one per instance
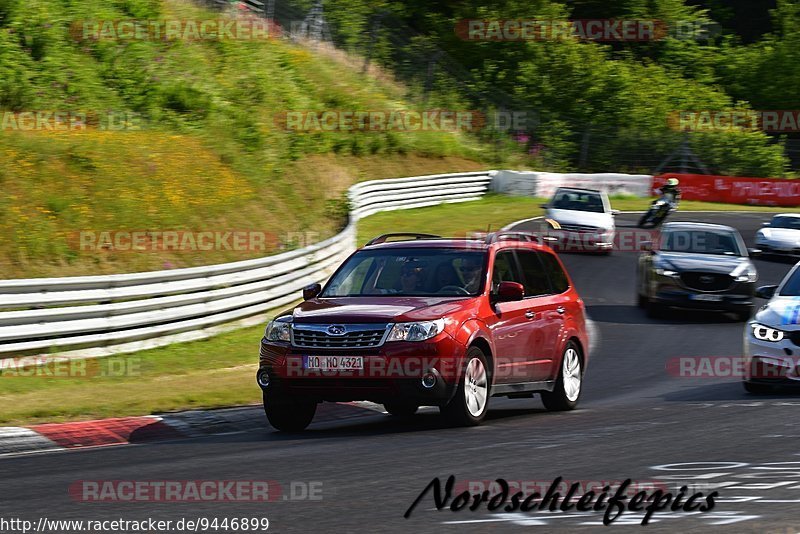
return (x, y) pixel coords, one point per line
(87, 316)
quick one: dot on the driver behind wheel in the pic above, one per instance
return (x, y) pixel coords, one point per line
(470, 270)
(446, 276)
(411, 277)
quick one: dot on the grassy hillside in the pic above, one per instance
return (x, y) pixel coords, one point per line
(202, 152)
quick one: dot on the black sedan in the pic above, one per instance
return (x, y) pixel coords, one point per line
(697, 265)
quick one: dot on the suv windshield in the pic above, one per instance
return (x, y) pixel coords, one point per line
(785, 222)
(566, 199)
(701, 242)
(409, 272)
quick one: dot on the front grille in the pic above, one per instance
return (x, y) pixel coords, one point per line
(356, 337)
(707, 281)
(580, 228)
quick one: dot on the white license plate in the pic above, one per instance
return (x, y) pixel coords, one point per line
(708, 298)
(333, 363)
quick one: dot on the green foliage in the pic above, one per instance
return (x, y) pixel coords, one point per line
(740, 153)
(207, 150)
(623, 93)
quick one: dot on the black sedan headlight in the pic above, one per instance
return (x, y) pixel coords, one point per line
(670, 273)
(746, 272)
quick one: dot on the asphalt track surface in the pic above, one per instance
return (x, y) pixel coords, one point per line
(635, 421)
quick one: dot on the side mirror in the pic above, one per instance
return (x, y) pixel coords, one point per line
(310, 292)
(647, 246)
(754, 251)
(615, 212)
(766, 292)
(508, 291)
(765, 223)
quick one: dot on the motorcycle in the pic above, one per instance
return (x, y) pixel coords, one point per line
(658, 212)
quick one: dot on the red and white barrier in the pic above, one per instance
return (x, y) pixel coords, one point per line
(735, 190)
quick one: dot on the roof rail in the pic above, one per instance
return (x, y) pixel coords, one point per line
(518, 236)
(384, 237)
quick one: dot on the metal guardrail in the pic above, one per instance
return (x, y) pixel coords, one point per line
(42, 315)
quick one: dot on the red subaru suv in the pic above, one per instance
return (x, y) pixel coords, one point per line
(429, 321)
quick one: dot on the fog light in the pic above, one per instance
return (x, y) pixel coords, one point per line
(428, 380)
(263, 379)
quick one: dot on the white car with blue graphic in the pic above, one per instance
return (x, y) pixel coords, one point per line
(772, 338)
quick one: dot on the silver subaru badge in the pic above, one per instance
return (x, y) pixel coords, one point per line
(336, 330)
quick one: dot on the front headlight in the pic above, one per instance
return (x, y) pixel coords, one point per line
(417, 331)
(279, 329)
(765, 333)
(745, 273)
(667, 272)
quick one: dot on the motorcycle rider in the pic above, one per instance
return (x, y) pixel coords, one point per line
(671, 192)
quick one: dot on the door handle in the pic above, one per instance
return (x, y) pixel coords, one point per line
(561, 310)
(529, 314)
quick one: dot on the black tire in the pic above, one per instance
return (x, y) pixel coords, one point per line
(757, 389)
(400, 409)
(563, 397)
(288, 415)
(457, 411)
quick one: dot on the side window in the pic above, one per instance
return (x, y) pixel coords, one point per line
(505, 269)
(536, 281)
(558, 278)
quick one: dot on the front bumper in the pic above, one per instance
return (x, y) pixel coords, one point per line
(393, 372)
(670, 291)
(779, 249)
(775, 363)
(703, 301)
(574, 241)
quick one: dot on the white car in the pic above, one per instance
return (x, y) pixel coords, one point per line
(781, 235)
(772, 338)
(584, 219)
